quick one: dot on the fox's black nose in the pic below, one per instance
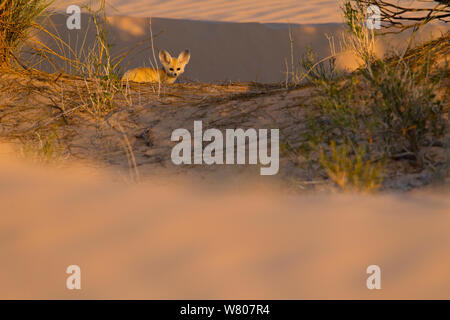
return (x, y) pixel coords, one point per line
(175, 74)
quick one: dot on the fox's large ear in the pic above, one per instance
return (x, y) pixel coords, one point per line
(165, 57)
(184, 57)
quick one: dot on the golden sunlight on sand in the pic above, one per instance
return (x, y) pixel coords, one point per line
(263, 11)
(179, 241)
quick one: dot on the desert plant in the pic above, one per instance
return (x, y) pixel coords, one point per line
(399, 17)
(387, 109)
(43, 147)
(17, 19)
(359, 39)
(404, 103)
(98, 67)
(351, 171)
(309, 67)
(401, 96)
(341, 113)
(317, 70)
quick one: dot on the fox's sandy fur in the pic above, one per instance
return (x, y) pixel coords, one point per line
(171, 70)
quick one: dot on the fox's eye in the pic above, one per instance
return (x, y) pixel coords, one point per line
(178, 69)
(171, 69)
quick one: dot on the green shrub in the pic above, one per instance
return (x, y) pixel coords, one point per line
(404, 103)
(351, 171)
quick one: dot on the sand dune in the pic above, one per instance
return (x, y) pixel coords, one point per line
(173, 239)
(184, 241)
(262, 11)
(221, 51)
(230, 40)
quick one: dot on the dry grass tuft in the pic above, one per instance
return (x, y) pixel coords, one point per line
(17, 19)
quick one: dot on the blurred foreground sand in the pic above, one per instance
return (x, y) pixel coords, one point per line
(165, 240)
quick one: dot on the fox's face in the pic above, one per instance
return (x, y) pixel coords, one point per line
(174, 66)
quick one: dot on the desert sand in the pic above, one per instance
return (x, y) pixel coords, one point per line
(261, 11)
(245, 40)
(182, 241)
(170, 237)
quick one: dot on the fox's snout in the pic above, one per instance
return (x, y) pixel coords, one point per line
(172, 74)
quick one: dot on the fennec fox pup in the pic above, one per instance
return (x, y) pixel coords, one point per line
(172, 68)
